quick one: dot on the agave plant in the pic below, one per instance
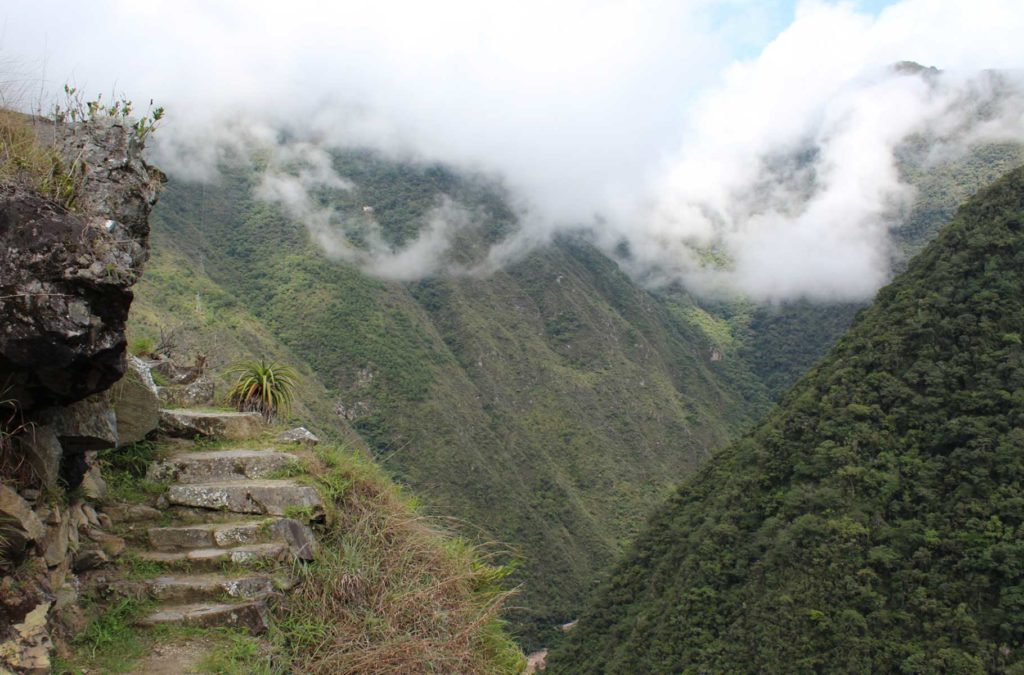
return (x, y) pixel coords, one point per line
(262, 387)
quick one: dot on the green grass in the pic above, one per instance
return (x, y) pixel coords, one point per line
(25, 159)
(110, 642)
(124, 470)
(134, 568)
(237, 653)
(142, 345)
(119, 648)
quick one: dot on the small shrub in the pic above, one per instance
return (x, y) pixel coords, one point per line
(266, 388)
(142, 345)
(76, 110)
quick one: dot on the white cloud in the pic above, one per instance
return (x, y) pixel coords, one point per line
(635, 111)
(825, 90)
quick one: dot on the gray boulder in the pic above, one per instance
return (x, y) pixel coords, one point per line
(298, 435)
(299, 537)
(197, 393)
(136, 403)
(20, 524)
(89, 424)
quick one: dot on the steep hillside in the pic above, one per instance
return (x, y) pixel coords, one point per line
(783, 342)
(872, 522)
(548, 406)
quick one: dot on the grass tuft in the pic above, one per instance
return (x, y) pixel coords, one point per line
(124, 470)
(26, 160)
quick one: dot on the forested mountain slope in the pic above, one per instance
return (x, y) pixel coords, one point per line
(549, 406)
(874, 521)
(782, 342)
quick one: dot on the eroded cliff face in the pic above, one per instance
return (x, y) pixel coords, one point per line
(66, 275)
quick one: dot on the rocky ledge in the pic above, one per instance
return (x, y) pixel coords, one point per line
(66, 275)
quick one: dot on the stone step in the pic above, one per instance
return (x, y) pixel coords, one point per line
(212, 535)
(207, 587)
(213, 558)
(186, 423)
(205, 466)
(265, 497)
(189, 515)
(252, 615)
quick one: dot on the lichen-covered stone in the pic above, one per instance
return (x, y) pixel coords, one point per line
(28, 648)
(195, 588)
(92, 483)
(198, 467)
(88, 424)
(132, 513)
(198, 393)
(90, 558)
(215, 558)
(299, 537)
(226, 425)
(111, 544)
(266, 497)
(209, 535)
(56, 543)
(251, 616)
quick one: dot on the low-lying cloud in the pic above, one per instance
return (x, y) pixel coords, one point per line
(794, 194)
(723, 148)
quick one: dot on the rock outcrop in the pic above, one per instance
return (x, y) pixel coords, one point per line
(66, 276)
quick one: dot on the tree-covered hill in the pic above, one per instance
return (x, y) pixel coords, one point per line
(874, 521)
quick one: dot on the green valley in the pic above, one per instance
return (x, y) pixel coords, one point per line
(547, 406)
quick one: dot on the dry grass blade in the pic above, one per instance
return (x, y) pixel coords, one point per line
(392, 592)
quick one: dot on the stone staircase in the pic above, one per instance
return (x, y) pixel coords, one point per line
(230, 531)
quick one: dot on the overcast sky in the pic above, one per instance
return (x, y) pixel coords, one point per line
(655, 115)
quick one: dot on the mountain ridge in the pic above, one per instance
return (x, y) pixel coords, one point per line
(871, 520)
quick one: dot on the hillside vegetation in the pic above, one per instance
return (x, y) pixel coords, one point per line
(782, 342)
(548, 406)
(873, 521)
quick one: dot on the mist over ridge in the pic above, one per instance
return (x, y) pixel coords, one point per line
(712, 144)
